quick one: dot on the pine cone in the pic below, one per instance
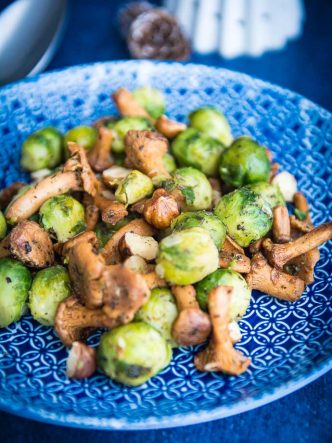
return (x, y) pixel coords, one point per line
(156, 34)
(129, 13)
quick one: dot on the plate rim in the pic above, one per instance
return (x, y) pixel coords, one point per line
(184, 419)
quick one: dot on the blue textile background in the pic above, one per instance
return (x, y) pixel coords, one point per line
(304, 66)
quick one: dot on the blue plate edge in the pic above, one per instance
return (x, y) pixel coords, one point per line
(174, 421)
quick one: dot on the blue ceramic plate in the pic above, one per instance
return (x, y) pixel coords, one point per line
(289, 344)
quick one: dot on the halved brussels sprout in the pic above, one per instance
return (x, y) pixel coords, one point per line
(3, 226)
(160, 311)
(244, 162)
(203, 219)
(187, 256)
(271, 193)
(212, 122)
(85, 136)
(225, 277)
(169, 162)
(192, 148)
(134, 187)
(151, 99)
(43, 149)
(195, 188)
(122, 126)
(49, 287)
(63, 216)
(133, 353)
(15, 282)
(246, 215)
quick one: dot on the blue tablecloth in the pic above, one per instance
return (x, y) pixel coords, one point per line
(304, 66)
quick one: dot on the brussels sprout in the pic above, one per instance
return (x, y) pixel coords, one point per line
(151, 99)
(122, 126)
(85, 136)
(195, 188)
(246, 215)
(134, 187)
(49, 287)
(55, 140)
(3, 226)
(187, 256)
(41, 150)
(63, 216)
(192, 148)
(270, 193)
(241, 294)
(244, 162)
(15, 282)
(202, 219)
(212, 122)
(160, 311)
(169, 162)
(133, 353)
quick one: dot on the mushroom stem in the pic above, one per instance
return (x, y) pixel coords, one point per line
(279, 255)
(112, 211)
(192, 326)
(281, 224)
(111, 249)
(91, 217)
(298, 225)
(231, 246)
(169, 128)
(220, 354)
(99, 157)
(153, 280)
(301, 203)
(234, 261)
(272, 281)
(30, 202)
(128, 106)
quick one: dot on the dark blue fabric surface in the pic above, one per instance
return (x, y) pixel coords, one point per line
(304, 66)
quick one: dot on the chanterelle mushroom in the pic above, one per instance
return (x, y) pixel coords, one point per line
(192, 326)
(272, 281)
(281, 224)
(145, 151)
(30, 244)
(111, 249)
(128, 106)
(97, 284)
(122, 292)
(234, 261)
(112, 211)
(75, 322)
(279, 254)
(76, 174)
(220, 354)
(86, 268)
(169, 128)
(100, 155)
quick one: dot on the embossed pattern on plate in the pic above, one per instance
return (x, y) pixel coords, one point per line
(290, 344)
